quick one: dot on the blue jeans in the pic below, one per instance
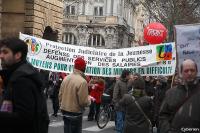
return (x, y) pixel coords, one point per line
(72, 122)
(120, 121)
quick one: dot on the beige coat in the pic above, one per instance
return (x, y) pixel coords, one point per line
(73, 94)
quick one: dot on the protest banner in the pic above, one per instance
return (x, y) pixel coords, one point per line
(147, 60)
(188, 43)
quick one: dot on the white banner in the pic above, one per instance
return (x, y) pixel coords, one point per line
(188, 43)
(147, 60)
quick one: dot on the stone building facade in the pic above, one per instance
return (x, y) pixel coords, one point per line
(140, 21)
(99, 23)
(30, 17)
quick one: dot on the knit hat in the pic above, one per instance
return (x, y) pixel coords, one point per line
(139, 83)
(138, 87)
(80, 64)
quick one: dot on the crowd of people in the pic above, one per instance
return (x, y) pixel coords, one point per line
(141, 103)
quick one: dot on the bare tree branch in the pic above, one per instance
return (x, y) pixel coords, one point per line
(171, 12)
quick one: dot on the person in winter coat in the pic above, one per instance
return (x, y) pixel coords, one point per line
(96, 92)
(1, 90)
(45, 78)
(74, 97)
(121, 88)
(180, 111)
(149, 88)
(135, 121)
(23, 87)
(159, 95)
(54, 96)
(138, 86)
(109, 86)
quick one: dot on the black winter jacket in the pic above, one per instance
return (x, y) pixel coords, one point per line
(135, 122)
(23, 87)
(175, 118)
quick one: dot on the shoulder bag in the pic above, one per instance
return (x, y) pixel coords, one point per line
(145, 116)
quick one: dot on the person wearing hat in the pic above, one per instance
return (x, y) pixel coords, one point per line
(135, 120)
(138, 86)
(73, 97)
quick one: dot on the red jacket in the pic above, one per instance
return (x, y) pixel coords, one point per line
(97, 91)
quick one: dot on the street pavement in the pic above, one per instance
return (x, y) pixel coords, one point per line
(56, 123)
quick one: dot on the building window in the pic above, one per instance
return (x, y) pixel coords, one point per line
(69, 38)
(98, 11)
(99, 1)
(96, 40)
(70, 10)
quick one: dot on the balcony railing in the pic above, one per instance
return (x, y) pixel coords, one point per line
(96, 18)
(72, 17)
(99, 18)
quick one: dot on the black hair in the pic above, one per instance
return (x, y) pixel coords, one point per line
(194, 64)
(125, 73)
(16, 45)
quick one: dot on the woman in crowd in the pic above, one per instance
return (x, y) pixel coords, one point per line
(96, 91)
(135, 121)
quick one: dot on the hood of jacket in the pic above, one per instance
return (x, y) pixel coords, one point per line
(24, 69)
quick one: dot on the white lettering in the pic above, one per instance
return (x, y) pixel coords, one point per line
(153, 32)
